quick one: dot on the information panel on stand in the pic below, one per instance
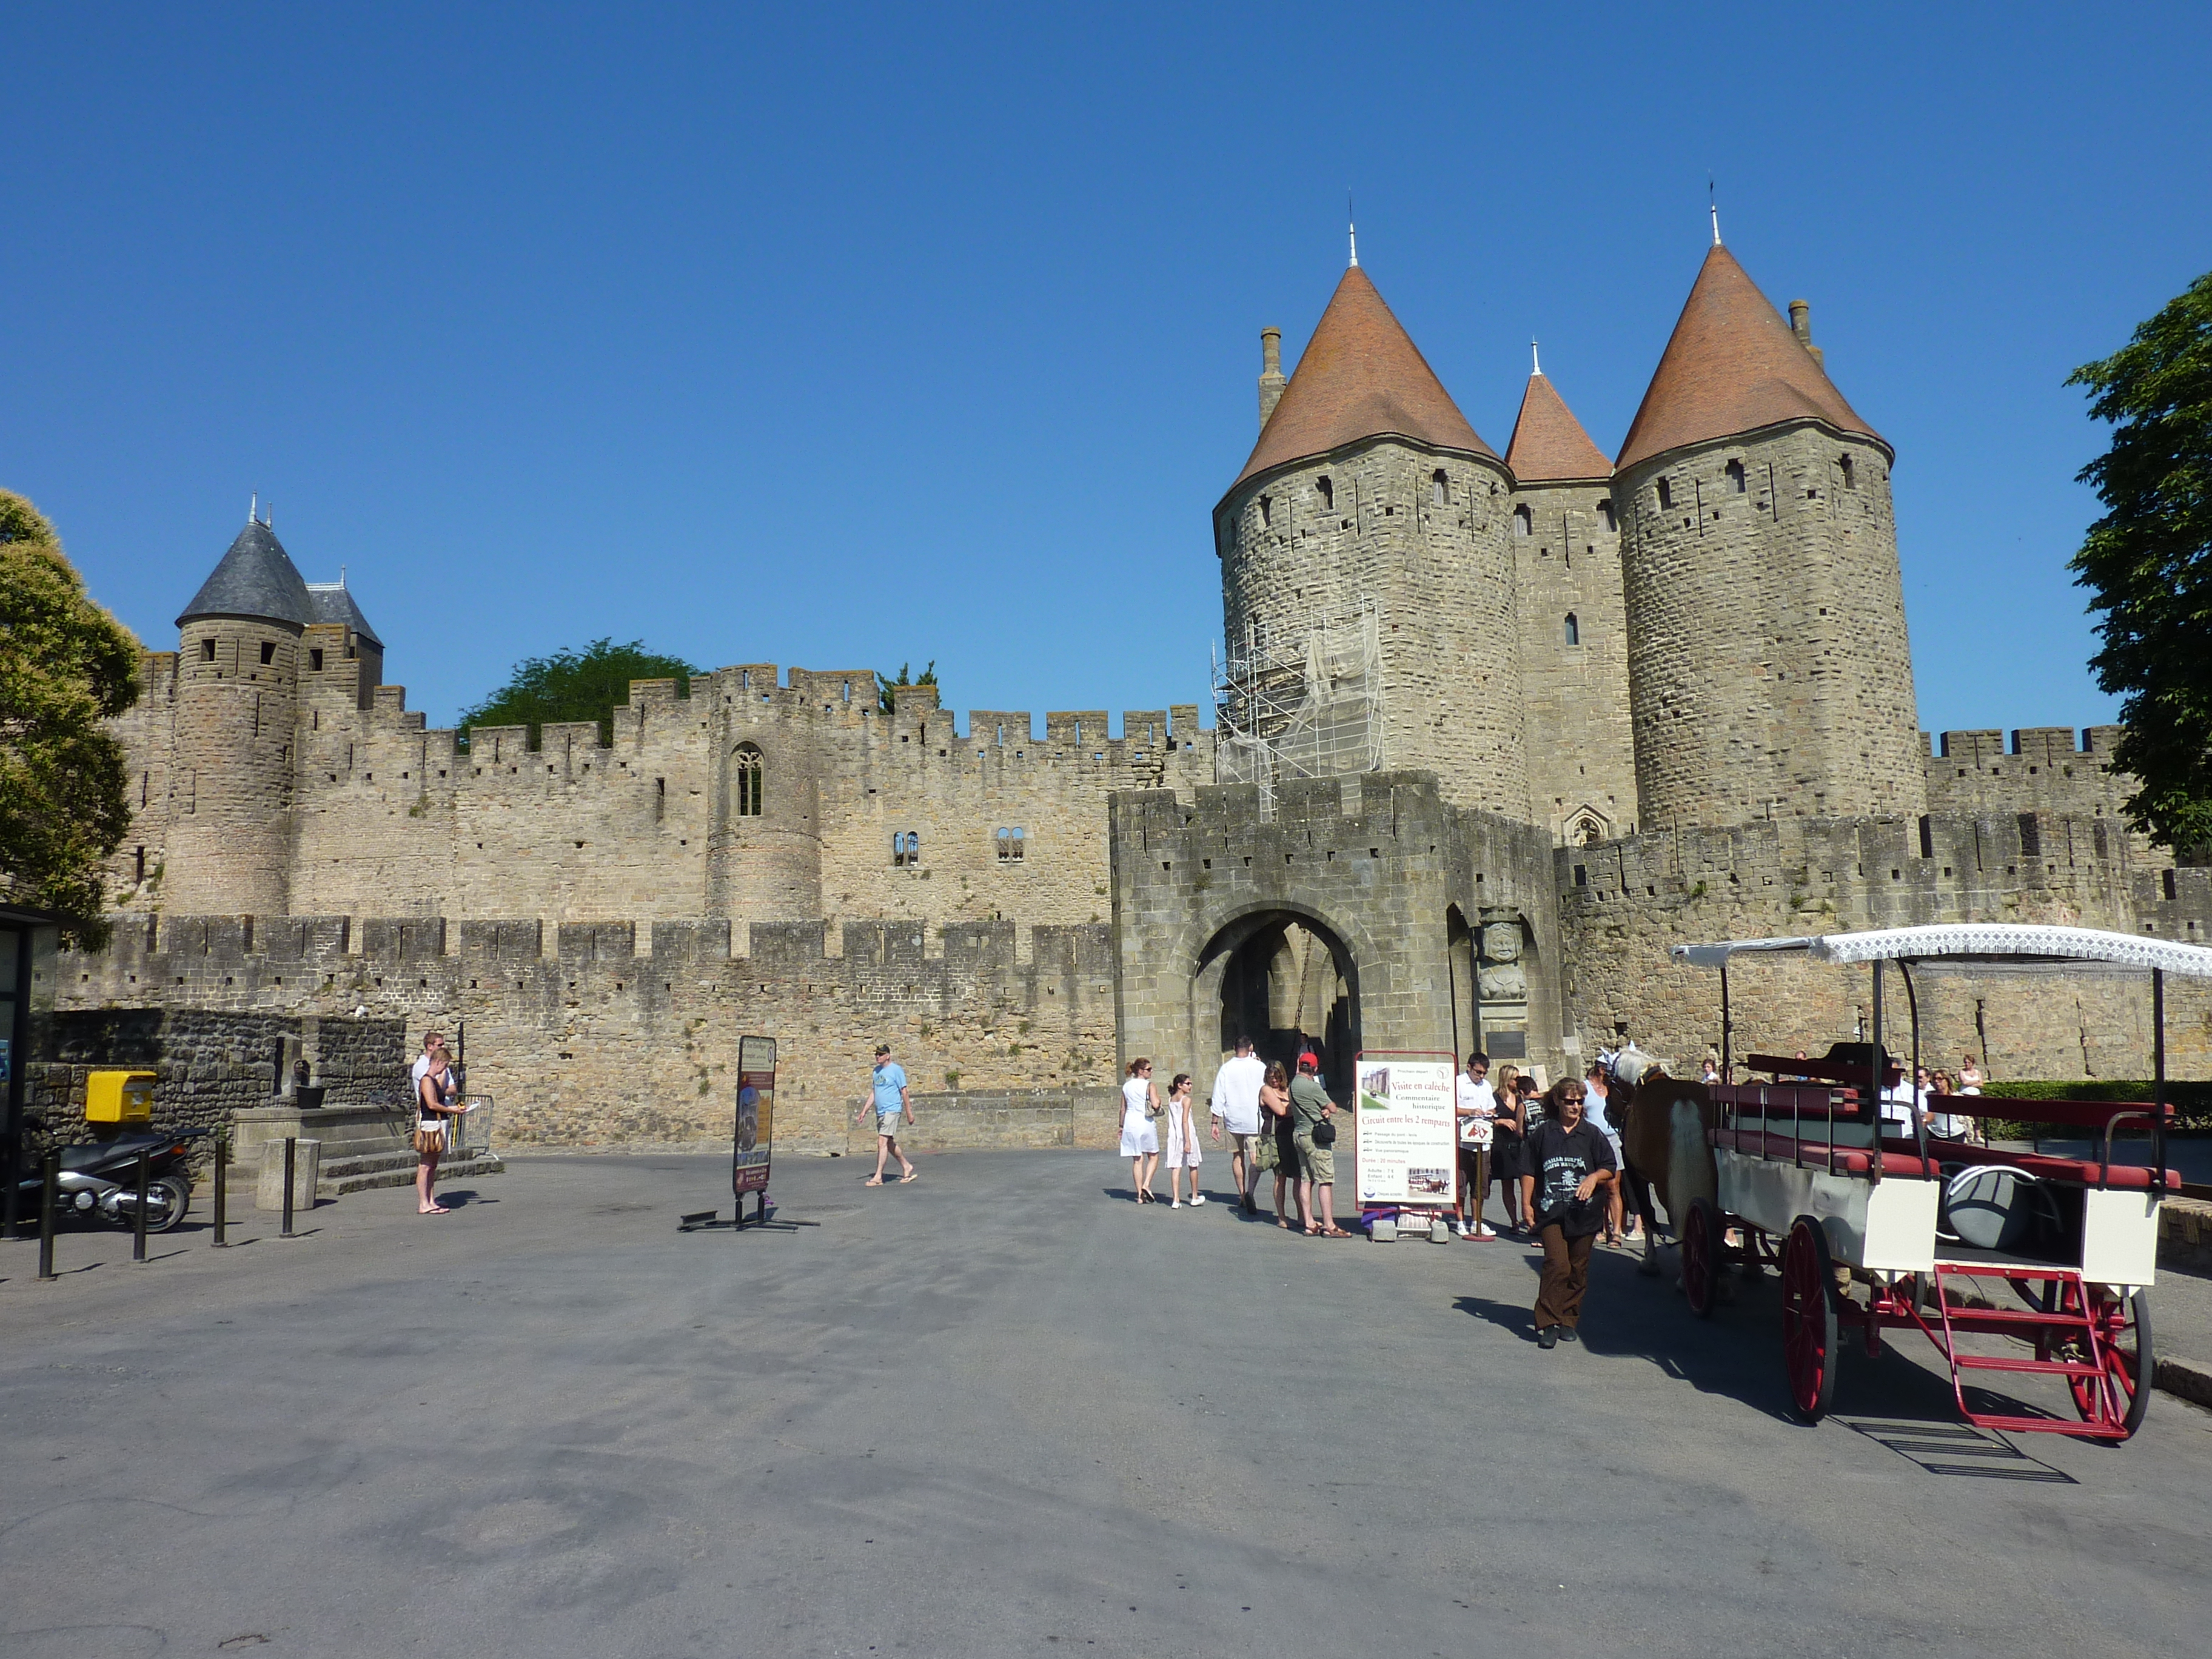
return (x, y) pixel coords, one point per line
(755, 1115)
(1407, 1144)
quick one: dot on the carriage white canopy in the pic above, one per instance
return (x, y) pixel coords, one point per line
(2009, 943)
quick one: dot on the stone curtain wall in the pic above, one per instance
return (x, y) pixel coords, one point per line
(1622, 906)
(1769, 669)
(385, 813)
(1440, 577)
(588, 1035)
(1581, 763)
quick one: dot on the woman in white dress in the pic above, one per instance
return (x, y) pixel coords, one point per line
(1140, 1141)
(1183, 1152)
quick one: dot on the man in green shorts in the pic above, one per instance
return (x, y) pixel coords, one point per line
(1310, 1106)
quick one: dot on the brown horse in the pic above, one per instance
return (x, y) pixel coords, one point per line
(1664, 1123)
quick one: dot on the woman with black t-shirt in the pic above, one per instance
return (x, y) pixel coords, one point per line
(1566, 1161)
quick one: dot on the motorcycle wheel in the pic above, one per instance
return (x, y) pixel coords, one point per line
(166, 1200)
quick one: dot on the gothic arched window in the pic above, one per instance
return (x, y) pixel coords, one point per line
(745, 780)
(1574, 629)
(1735, 476)
(1439, 488)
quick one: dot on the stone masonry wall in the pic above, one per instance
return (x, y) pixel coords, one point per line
(389, 815)
(209, 1063)
(1769, 669)
(1624, 905)
(613, 1033)
(1440, 575)
(1582, 760)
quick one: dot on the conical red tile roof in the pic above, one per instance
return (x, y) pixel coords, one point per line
(1732, 366)
(1360, 376)
(1549, 443)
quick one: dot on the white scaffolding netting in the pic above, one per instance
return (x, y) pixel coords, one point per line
(1305, 706)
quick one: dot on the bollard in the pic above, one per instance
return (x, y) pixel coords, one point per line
(47, 1214)
(138, 1226)
(221, 1165)
(290, 1146)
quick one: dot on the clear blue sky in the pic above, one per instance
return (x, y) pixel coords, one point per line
(842, 336)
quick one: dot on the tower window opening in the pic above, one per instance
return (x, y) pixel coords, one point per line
(1011, 845)
(745, 778)
(315, 659)
(906, 848)
(207, 650)
(1267, 509)
(1439, 488)
(268, 652)
(1666, 495)
(1328, 491)
(1574, 629)
(1735, 476)
(1850, 479)
(1605, 516)
(142, 866)
(1524, 522)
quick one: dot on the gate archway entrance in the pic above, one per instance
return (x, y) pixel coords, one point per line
(1287, 979)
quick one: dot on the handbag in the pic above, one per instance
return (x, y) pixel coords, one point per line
(429, 1138)
(1324, 1133)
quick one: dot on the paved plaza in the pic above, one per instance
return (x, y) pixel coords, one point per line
(999, 1412)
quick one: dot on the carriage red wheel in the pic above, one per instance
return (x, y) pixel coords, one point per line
(2122, 1396)
(1701, 1256)
(1808, 1319)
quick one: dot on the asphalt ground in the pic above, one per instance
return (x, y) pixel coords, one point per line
(1001, 1411)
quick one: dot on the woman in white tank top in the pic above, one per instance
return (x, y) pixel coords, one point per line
(1140, 1141)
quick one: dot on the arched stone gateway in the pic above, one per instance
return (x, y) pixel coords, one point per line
(1287, 979)
(1329, 918)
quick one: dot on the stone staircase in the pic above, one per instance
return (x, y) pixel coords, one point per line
(358, 1172)
(362, 1147)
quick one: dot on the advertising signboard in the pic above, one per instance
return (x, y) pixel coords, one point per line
(756, 1130)
(1407, 1149)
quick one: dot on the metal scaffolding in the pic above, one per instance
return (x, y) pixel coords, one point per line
(1308, 706)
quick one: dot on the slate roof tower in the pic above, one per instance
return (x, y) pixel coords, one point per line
(1369, 490)
(1769, 671)
(238, 699)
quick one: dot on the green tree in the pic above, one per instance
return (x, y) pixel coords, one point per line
(66, 668)
(575, 685)
(2149, 562)
(887, 689)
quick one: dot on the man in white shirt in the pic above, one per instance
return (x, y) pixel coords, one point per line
(1236, 1108)
(1476, 1105)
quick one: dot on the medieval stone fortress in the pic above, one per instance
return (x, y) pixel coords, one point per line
(1490, 733)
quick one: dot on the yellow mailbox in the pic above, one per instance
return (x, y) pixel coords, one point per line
(118, 1097)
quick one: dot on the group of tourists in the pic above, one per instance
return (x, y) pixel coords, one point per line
(1269, 1119)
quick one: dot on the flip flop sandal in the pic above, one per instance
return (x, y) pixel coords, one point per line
(915, 1175)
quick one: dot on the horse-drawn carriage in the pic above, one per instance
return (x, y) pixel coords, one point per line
(1830, 1172)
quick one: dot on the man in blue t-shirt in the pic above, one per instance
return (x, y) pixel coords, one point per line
(887, 1096)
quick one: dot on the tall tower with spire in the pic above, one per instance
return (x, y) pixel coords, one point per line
(1768, 668)
(1574, 628)
(1370, 495)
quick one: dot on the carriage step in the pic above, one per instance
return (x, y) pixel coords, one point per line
(2002, 1270)
(1990, 1362)
(1967, 1314)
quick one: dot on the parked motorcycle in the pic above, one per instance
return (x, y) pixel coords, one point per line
(99, 1180)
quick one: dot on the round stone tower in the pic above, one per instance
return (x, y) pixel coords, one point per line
(238, 694)
(1769, 671)
(1367, 576)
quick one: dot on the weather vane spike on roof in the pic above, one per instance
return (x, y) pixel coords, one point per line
(1352, 225)
(1535, 364)
(1713, 207)
(254, 508)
